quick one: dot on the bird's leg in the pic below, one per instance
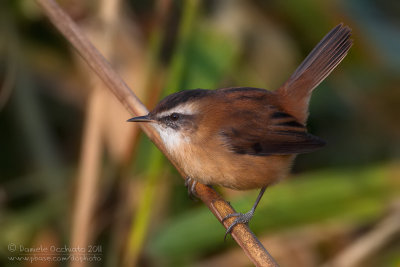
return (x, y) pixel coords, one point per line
(243, 217)
(190, 183)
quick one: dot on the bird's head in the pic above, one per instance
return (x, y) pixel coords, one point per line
(176, 117)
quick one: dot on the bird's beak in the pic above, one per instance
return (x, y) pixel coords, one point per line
(140, 119)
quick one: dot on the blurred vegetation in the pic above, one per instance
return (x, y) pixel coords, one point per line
(142, 215)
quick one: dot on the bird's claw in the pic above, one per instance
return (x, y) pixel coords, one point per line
(190, 183)
(241, 218)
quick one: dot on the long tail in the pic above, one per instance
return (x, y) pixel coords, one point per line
(329, 52)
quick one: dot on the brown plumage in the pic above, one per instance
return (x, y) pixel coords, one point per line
(245, 138)
(250, 143)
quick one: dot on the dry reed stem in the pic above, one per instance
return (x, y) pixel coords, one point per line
(218, 206)
(89, 171)
(362, 248)
(92, 145)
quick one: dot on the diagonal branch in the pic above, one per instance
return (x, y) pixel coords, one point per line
(218, 206)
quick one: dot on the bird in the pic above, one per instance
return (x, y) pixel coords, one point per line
(243, 137)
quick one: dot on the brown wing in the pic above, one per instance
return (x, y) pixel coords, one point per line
(269, 133)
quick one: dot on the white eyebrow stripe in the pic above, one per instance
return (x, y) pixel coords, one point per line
(187, 109)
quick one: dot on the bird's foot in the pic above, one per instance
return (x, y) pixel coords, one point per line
(190, 183)
(241, 218)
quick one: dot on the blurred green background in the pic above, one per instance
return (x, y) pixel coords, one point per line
(74, 173)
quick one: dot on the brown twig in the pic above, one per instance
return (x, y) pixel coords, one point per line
(219, 207)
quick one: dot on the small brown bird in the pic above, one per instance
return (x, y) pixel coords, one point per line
(246, 138)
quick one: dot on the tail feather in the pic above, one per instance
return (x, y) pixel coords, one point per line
(321, 61)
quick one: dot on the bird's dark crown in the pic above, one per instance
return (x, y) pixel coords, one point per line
(179, 98)
(185, 96)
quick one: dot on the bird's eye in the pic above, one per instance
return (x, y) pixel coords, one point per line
(174, 116)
